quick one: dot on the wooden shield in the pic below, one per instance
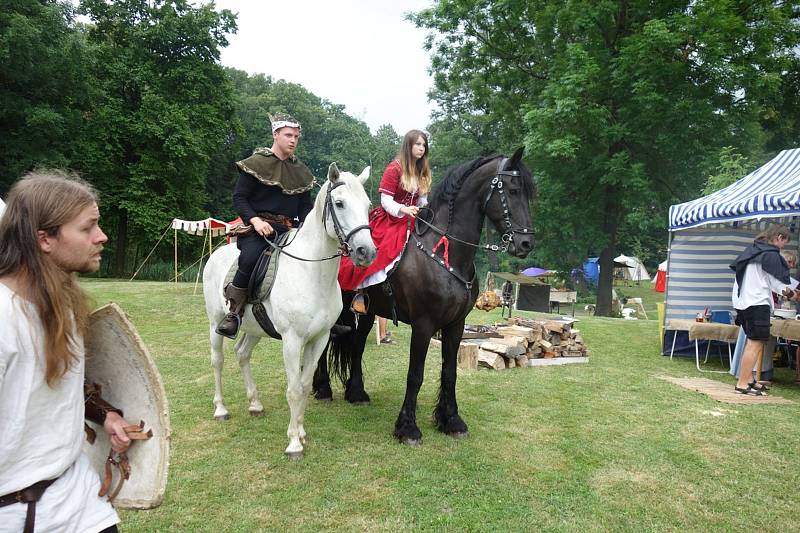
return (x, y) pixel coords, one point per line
(117, 360)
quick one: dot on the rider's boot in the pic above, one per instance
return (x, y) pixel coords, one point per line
(237, 299)
(360, 303)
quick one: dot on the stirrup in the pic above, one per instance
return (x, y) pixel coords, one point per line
(360, 303)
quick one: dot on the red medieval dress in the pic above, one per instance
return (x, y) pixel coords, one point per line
(388, 232)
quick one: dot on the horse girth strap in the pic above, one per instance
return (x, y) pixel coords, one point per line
(120, 462)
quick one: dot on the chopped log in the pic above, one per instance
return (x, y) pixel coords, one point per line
(522, 361)
(530, 334)
(503, 349)
(515, 341)
(510, 362)
(546, 345)
(492, 360)
(468, 356)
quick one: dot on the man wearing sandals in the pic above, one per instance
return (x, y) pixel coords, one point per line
(48, 233)
(760, 271)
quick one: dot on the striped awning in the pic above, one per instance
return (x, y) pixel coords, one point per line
(771, 191)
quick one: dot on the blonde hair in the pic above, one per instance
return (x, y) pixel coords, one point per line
(44, 201)
(789, 256)
(412, 168)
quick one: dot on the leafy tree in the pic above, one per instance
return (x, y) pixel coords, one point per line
(44, 86)
(166, 106)
(732, 167)
(622, 104)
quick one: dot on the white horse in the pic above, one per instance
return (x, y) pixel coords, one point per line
(305, 300)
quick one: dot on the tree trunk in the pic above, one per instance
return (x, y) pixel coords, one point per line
(121, 246)
(605, 283)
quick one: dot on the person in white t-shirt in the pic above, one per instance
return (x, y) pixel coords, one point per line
(760, 271)
(49, 232)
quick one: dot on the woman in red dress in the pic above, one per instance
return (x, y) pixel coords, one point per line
(404, 188)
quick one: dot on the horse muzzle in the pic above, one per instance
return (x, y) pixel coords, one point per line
(521, 245)
(363, 253)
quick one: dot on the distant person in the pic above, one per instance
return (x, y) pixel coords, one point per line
(760, 270)
(48, 233)
(383, 332)
(404, 190)
(273, 195)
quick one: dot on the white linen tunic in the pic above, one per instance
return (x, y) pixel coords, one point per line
(41, 431)
(757, 288)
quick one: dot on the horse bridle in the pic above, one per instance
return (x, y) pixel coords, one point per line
(344, 238)
(495, 186)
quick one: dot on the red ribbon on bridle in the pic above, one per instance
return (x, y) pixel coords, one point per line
(445, 253)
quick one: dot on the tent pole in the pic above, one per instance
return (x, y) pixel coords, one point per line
(663, 328)
(200, 266)
(176, 256)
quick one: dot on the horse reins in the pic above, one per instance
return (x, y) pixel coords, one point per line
(344, 238)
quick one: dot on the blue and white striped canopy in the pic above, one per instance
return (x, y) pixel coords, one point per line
(771, 191)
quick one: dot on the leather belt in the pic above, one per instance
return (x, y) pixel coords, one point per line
(29, 495)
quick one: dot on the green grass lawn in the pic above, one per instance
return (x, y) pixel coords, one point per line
(588, 447)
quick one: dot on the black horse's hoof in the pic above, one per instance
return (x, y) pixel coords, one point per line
(414, 443)
(324, 396)
(357, 398)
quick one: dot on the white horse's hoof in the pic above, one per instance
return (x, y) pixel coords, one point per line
(222, 418)
(294, 456)
(257, 413)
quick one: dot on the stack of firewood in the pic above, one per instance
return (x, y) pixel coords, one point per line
(513, 345)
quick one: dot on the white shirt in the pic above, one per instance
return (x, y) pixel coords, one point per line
(41, 431)
(757, 288)
(393, 208)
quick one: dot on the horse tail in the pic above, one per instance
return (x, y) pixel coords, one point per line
(341, 348)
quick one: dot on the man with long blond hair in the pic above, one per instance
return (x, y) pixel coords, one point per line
(49, 233)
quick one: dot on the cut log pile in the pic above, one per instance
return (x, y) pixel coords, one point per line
(514, 344)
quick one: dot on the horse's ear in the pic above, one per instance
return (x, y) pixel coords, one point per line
(333, 172)
(516, 158)
(364, 176)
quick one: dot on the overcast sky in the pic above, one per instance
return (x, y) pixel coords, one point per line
(362, 54)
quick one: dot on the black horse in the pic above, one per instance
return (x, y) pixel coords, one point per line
(432, 293)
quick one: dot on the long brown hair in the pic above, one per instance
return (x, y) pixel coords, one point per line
(773, 231)
(412, 168)
(44, 201)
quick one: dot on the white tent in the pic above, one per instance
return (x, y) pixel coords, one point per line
(707, 234)
(207, 227)
(634, 269)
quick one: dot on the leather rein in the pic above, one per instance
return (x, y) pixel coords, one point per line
(344, 238)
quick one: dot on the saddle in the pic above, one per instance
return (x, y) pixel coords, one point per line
(260, 285)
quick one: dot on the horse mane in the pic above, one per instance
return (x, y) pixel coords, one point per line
(447, 189)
